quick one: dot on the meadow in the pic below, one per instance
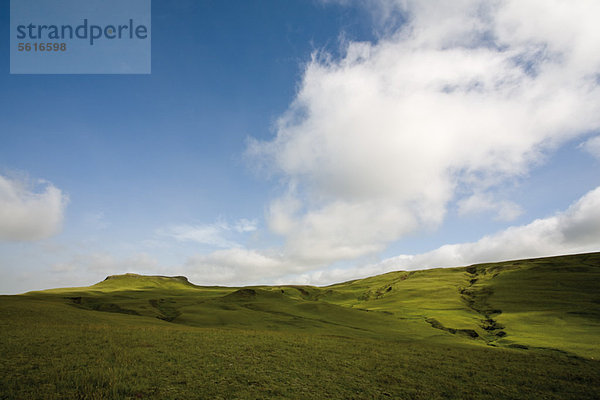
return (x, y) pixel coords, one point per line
(512, 330)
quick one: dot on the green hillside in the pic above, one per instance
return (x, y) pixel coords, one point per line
(518, 329)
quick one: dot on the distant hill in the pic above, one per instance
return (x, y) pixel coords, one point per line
(549, 303)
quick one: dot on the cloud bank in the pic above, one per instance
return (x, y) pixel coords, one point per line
(28, 214)
(575, 230)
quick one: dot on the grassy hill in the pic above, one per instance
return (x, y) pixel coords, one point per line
(518, 329)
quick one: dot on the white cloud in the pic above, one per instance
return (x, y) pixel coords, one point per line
(592, 146)
(467, 95)
(574, 230)
(29, 214)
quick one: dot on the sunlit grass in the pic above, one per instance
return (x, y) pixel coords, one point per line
(165, 338)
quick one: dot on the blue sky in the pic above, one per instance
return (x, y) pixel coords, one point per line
(307, 142)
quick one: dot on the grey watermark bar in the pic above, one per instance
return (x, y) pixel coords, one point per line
(80, 37)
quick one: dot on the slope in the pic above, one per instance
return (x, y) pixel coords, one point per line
(549, 303)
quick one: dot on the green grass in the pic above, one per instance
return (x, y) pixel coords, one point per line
(521, 329)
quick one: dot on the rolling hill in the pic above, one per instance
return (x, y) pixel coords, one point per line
(516, 329)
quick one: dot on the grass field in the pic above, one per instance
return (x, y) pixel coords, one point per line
(521, 329)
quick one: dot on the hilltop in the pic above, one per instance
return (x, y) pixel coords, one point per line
(131, 281)
(524, 318)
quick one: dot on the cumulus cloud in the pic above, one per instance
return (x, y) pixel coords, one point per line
(30, 212)
(464, 95)
(574, 230)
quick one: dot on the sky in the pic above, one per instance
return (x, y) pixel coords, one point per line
(308, 142)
